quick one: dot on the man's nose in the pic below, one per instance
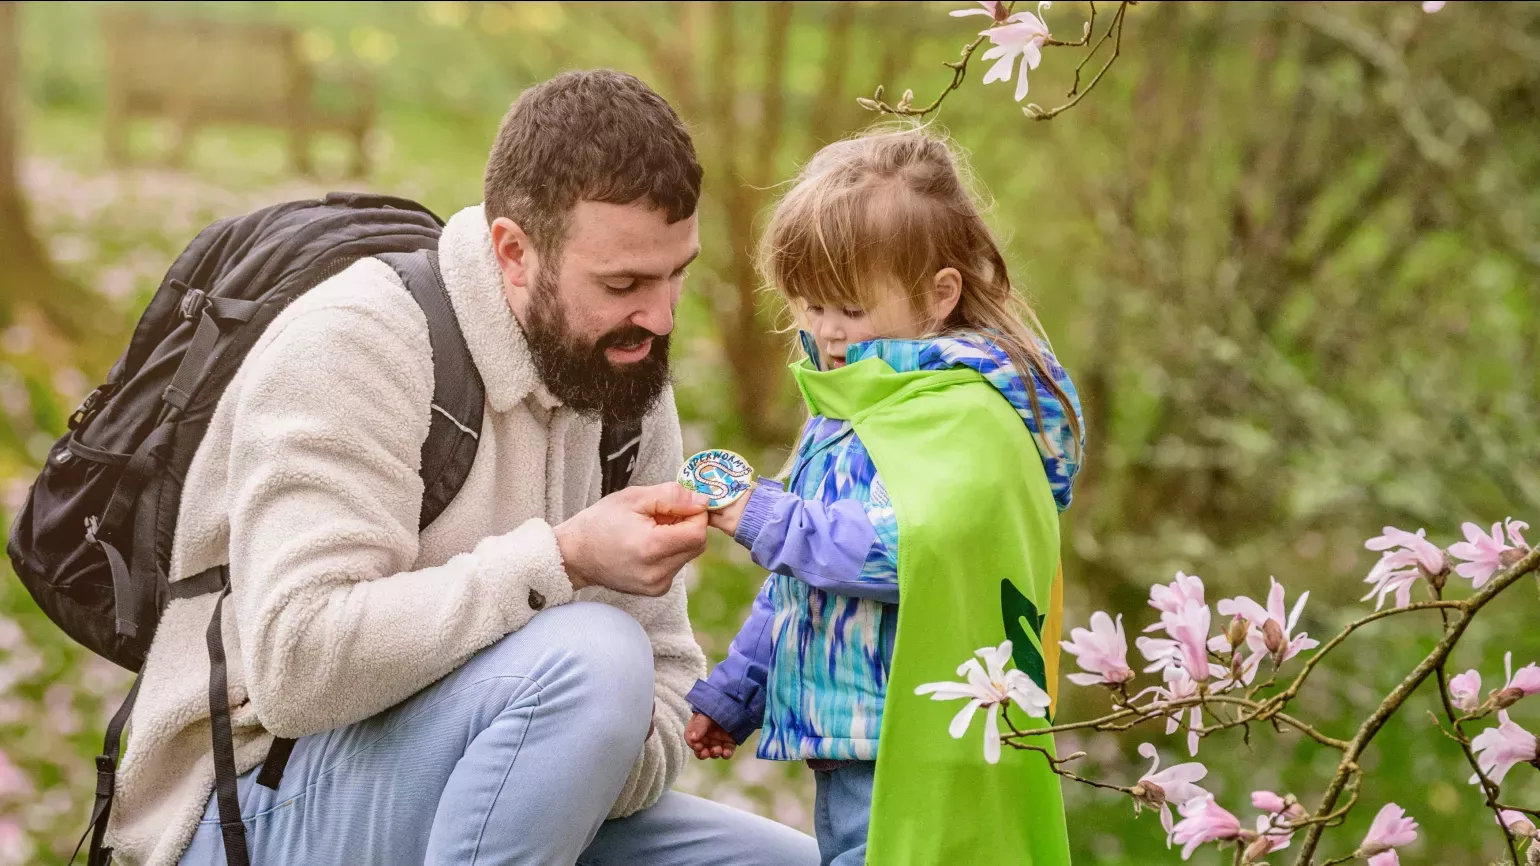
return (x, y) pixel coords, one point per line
(657, 312)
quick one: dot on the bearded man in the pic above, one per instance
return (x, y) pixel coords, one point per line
(506, 685)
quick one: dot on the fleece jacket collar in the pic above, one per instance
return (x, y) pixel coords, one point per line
(492, 332)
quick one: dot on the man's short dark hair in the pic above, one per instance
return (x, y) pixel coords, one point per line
(595, 135)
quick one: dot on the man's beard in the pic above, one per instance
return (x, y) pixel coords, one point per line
(579, 374)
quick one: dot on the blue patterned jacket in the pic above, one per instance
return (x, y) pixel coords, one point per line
(810, 665)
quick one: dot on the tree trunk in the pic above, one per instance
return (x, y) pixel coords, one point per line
(28, 277)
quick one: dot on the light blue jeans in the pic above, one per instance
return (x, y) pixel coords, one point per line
(516, 757)
(842, 810)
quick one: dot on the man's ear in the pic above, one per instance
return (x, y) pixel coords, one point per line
(517, 260)
(946, 291)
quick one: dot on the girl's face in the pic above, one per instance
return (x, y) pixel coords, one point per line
(894, 317)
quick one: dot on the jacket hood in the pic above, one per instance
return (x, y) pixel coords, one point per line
(1050, 425)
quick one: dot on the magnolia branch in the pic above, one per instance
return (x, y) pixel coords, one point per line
(1002, 14)
(1075, 94)
(1393, 701)
(1221, 711)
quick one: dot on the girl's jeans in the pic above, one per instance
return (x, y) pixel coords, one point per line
(842, 810)
(516, 757)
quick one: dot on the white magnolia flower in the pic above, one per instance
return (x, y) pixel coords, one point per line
(988, 685)
(1022, 35)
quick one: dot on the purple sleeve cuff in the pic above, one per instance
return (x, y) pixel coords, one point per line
(734, 694)
(757, 511)
(737, 719)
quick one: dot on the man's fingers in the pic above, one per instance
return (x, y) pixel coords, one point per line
(670, 499)
(686, 538)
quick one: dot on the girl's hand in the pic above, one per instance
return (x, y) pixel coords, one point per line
(707, 738)
(727, 519)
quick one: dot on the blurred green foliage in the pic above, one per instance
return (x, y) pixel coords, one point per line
(1289, 252)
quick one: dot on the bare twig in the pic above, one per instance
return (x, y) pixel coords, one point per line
(1036, 112)
(1054, 763)
(905, 108)
(1299, 679)
(959, 69)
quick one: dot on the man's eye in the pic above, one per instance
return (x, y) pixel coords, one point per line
(621, 289)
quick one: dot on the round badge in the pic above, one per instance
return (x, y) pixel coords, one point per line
(720, 474)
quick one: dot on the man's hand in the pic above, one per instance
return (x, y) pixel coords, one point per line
(707, 738)
(634, 540)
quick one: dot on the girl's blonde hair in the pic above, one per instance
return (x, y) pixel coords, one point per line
(893, 205)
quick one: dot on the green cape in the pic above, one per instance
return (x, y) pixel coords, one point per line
(978, 562)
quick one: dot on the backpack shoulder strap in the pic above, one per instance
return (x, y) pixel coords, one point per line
(459, 397)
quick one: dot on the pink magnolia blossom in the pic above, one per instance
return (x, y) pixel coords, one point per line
(1271, 633)
(1185, 590)
(1518, 686)
(1407, 556)
(1484, 554)
(1186, 648)
(1391, 829)
(1185, 618)
(1428, 555)
(1102, 652)
(1270, 836)
(1465, 690)
(1175, 784)
(1178, 686)
(992, 8)
(1189, 629)
(1267, 801)
(1203, 820)
(1021, 35)
(1160, 652)
(1518, 823)
(1499, 749)
(1396, 572)
(1273, 804)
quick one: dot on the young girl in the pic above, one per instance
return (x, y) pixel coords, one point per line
(917, 524)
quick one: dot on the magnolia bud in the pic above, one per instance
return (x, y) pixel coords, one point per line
(1272, 636)
(1259, 848)
(1534, 855)
(1149, 792)
(865, 103)
(1510, 556)
(1435, 579)
(1522, 827)
(1505, 698)
(1236, 633)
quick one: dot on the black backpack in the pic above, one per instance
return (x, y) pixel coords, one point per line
(92, 544)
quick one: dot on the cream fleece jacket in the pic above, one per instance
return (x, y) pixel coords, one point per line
(306, 484)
